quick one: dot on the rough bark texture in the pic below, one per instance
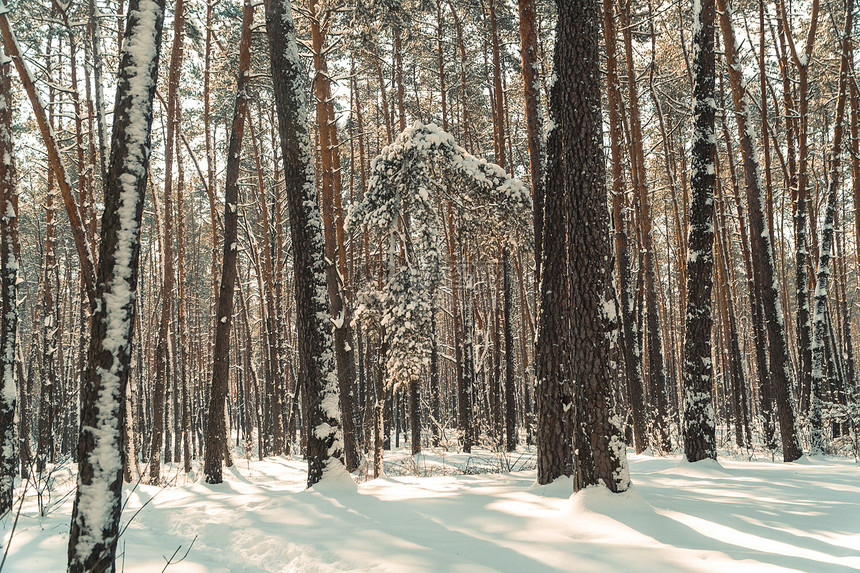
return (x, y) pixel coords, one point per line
(575, 102)
(317, 376)
(699, 429)
(552, 349)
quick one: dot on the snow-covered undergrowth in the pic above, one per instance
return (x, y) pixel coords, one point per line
(735, 516)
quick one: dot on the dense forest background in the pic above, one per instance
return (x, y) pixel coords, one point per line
(445, 354)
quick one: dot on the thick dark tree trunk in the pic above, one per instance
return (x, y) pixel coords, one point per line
(699, 425)
(552, 348)
(317, 374)
(600, 455)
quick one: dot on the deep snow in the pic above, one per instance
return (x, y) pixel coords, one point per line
(735, 516)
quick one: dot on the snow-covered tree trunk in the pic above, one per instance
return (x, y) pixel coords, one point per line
(699, 425)
(333, 237)
(96, 513)
(217, 438)
(317, 374)
(819, 317)
(804, 201)
(9, 296)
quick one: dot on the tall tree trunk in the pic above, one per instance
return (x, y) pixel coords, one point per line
(816, 429)
(575, 102)
(553, 391)
(317, 375)
(96, 512)
(164, 358)
(534, 135)
(217, 440)
(9, 251)
(335, 256)
(699, 425)
(630, 346)
(762, 250)
(510, 382)
(657, 372)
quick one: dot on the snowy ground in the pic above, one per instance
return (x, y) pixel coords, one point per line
(740, 516)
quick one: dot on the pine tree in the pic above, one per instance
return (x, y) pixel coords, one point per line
(317, 375)
(217, 440)
(820, 310)
(699, 425)
(8, 293)
(600, 454)
(96, 513)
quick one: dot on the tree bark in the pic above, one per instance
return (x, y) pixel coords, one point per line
(630, 345)
(600, 455)
(699, 425)
(317, 375)
(164, 358)
(217, 440)
(96, 512)
(9, 251)
(819, 334)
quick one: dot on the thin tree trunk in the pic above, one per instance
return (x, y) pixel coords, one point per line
(217, 440)
(334, 238)
(762, 251)
(819, 333)
(657, 372)
(9, 251)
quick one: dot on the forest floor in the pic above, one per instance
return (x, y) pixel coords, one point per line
(430, 516)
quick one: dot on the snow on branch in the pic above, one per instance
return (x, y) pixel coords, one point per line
(410, 179)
